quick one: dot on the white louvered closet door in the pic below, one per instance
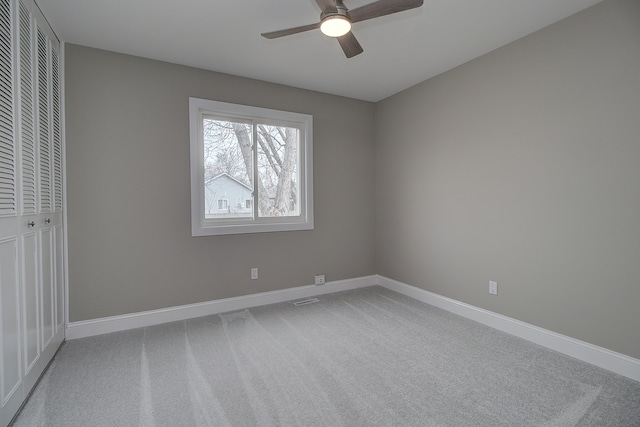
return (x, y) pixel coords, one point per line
(10, 298)
(28, 198)
(57, 186)
(45, 238)
(31, 173)
(48, 222)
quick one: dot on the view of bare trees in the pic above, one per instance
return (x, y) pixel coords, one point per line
(228, 148)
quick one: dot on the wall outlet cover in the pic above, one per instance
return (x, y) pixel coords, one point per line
(493, 287)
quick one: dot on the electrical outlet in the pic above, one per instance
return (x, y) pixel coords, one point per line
(493, 287)
(320, 279)
(254, 273)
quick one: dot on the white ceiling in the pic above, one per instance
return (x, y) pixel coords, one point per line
(400, 50)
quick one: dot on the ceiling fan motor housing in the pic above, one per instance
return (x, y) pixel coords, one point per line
(341, 10)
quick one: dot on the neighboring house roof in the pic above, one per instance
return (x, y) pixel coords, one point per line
(231, 178)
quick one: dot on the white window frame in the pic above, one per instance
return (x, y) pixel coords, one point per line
(201, 226)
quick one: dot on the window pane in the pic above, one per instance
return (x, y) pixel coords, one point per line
(228, 166)
(278, 171)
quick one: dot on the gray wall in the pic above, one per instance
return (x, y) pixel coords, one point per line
(523, 167)
(130, 244)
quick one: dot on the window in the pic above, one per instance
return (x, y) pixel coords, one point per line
(251, 169)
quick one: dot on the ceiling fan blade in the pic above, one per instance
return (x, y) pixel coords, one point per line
(382, 8)
(289, 31)
(350, 45)
(327, 6)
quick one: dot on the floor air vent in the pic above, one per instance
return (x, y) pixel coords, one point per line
(306, 301)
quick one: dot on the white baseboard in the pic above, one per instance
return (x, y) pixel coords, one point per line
(106, 325)
(598, 356)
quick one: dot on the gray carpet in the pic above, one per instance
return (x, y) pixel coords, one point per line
(367, 357)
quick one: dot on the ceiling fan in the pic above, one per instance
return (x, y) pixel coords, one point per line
(336, 20)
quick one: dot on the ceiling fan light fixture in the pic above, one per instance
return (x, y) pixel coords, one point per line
(335, 25)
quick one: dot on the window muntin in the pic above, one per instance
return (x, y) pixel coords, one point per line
(258, 160)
